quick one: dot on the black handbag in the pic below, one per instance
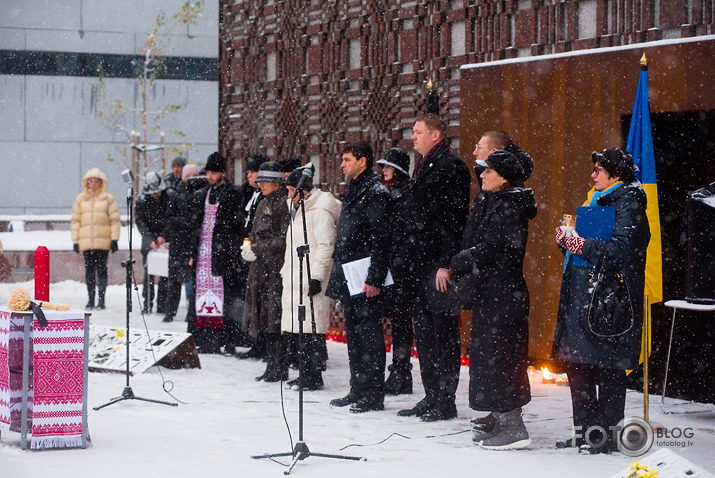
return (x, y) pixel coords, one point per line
(610, 312)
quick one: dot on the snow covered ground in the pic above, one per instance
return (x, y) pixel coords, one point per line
(226, 417)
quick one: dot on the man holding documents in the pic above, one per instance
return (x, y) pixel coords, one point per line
(362, 233)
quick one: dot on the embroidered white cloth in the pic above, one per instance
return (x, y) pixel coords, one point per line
(4, 371)
(209, 288)
(58, 381)
(11, 340)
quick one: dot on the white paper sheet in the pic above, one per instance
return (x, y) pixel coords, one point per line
(356, 275)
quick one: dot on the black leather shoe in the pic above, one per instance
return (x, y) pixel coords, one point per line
(168, 318)
(348, 399)
(253, 352)
(443, 411)
(422, 407)
(367, 404)
(89, 306)
(573, 442)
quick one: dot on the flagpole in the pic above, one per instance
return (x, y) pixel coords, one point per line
(646, 340)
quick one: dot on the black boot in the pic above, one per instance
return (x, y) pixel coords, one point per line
(399, 381)
(90, 294)
(102, 294)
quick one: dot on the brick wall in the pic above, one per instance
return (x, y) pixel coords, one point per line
(300, 77)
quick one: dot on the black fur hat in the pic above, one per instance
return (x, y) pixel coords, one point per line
(506, 164)
(616, 162)
(255, 161)
(216, 163)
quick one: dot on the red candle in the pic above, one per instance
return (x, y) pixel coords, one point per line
(42, 274)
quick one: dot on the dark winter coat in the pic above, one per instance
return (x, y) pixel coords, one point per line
(262, 310)
(180, 220)
(438, 202)
(489, 279)
(228, 230)
(150, 216)
(363, 231)
(172, 182)
(626, 253)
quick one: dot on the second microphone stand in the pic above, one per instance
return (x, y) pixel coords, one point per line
(300, 450)
(128, 393)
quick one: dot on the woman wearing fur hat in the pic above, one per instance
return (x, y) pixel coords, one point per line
(489, 280)
(264, 287)
(594, 358)
(95, 231)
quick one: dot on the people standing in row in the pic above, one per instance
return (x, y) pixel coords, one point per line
(438, 201)
(396, 178)
(219, 231)
(597, 360)
(179, 233)
(489, 281)
(321, 217)
(150, 214)
(266, 253)
(363, 232)
(94, 228)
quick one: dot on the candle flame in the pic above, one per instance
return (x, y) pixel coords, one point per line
(546, 373)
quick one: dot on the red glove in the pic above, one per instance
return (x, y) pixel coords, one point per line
(560, 236)
(574, 244)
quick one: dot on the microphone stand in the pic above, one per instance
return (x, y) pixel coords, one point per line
(301, 451)
(128, 393)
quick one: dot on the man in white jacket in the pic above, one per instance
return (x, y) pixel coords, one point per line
(322, 211)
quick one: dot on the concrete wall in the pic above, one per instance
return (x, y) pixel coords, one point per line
(50, 130)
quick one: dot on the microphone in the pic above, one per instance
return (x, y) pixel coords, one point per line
(307, 173)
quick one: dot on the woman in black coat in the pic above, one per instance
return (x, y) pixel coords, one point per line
(593, 359)
(489, 280)
(396, 178)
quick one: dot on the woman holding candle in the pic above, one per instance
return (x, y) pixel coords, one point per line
(592, 358)
(489, 280)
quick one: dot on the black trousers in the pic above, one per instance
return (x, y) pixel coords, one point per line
(95, 271)
(400, 314)
(591, 407)
(438, 345)
(179, 273)
(366, 346)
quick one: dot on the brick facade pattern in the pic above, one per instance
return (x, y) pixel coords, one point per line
(302, 77)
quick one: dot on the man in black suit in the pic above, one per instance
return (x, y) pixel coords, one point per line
(363, 231)
(438, 201)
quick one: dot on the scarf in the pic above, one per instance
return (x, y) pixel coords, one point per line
(209, 288)
(592, 201)
(438, 149)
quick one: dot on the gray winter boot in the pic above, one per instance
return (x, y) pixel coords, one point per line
(510, 432)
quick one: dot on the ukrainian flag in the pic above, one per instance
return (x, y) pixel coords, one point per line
(640, 145)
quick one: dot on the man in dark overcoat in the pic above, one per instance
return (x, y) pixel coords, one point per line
(225, 250)
(438, 201)
(363, 232)
(150, 214)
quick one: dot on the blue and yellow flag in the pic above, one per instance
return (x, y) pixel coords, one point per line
(640, 145)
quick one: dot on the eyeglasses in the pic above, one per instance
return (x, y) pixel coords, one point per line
(597, 170)
(477, 146)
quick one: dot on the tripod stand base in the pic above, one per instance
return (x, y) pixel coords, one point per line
(301, 452)
(128, 394)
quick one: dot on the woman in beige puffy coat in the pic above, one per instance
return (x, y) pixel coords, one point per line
(95, 231)
(322, 211)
